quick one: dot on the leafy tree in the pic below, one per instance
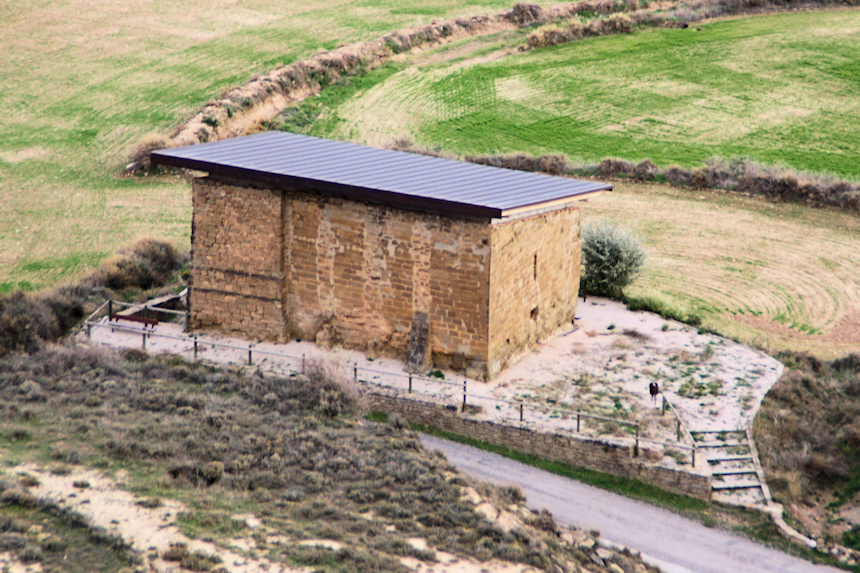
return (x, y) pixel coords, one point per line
(611, 258)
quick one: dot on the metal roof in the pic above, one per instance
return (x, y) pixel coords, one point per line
(383, 176)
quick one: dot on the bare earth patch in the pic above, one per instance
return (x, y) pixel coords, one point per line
(37, 152)
(151, 532)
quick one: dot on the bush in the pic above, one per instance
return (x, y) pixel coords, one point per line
(146, 264)
(27, 320)
(611, 258)
(140, 157)
(551, 164)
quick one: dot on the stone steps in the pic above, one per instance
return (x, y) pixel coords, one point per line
(736, 480)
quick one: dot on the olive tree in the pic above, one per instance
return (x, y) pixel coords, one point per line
(611, 258)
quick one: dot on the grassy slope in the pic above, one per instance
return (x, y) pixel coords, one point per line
(291, 451)
(780, 88)
(775, 276)
(82, 85)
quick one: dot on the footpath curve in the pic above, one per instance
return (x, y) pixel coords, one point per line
(671, 542)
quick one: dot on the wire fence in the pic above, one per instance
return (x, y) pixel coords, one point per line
(455, 395)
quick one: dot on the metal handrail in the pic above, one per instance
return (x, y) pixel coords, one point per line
(681, 426)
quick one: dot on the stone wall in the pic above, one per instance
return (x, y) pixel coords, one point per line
(358, 274)
(272, 264)
(534, 275)
(579, 451)
(237, 260)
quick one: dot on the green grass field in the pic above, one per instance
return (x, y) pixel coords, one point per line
(80, 85)
(781, 89)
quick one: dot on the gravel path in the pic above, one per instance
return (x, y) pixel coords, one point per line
(669, 541)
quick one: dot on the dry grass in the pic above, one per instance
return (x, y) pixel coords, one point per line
(772, 275)
(292, 451)
(808, 434)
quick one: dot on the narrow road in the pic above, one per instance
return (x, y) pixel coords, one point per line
(667, 540)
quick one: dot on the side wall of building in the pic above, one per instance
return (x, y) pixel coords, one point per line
(358, 274)
(534, 275)
(273, 264)
(237, 243)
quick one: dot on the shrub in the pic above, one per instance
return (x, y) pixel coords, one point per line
(140, 157)
(146, 264)
(552, 164)
(524, 14)
(619, 24)
(611, 258)
(27, 320)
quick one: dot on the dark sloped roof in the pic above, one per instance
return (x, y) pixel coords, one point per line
(361, 173)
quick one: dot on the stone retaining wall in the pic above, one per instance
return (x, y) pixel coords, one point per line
(584, 452)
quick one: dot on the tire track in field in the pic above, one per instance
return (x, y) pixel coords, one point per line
(779, 275)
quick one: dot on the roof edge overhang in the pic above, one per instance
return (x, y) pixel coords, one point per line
(412, 202)
(555, 204)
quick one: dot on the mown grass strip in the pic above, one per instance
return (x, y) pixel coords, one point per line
(625, 486)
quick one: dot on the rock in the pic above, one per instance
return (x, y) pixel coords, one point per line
(615, 568)
(603, 553)
(469, 494)
(586, 544)
(488, 511)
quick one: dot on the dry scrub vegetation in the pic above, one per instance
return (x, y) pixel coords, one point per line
(808, 437)
(135, 272)
(295, 452)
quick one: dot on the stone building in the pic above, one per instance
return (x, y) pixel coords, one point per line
(443, 262)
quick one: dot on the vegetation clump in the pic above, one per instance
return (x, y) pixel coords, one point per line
(29, 319)
(611, 258)
(808, 435)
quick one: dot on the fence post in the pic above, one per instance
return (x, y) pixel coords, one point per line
(303, 363)
(678, 429)
(636, 447)
(521, 412)
(577, 422)
(694, 456)
(355, 373)
(110, 309)
(410, 383)
(663, 409)
(143, 335)
(250, 362)
(89, 330)
(464, 395)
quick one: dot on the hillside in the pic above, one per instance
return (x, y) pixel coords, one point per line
(266, 470)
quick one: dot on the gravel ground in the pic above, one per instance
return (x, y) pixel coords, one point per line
(602, 367)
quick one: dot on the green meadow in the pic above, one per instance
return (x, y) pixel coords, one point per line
(82, 83)
(781, 89)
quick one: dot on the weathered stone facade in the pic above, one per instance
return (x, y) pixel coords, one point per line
(276, 264)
